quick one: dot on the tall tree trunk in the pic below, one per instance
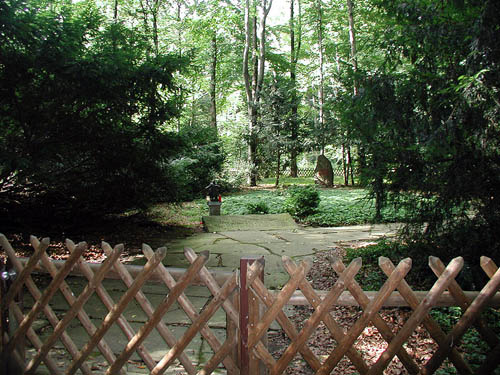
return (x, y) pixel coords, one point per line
(352, 41)
(155, 28)
(344, 165)
(213, 82)
(278, 166)
(253, 82)
(349, 159)
(294, 56)
(354, 60)
(115, 12)
(321, 95)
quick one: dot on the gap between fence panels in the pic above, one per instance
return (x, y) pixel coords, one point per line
(230, 323)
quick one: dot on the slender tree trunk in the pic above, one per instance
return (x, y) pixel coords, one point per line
(354, 59)
(344, 165)
(278, 167)
(293, 79)
(352, 41)
(115, 12)
(213, 83)
(349, 159)
(253, 83)
(155, 30)
(294, 56)
(321, 95)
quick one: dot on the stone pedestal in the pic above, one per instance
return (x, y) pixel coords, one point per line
(214, 208)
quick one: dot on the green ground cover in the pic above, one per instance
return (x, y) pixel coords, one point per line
(338, 206)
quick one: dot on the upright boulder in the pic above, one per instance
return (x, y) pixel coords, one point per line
(323, 171)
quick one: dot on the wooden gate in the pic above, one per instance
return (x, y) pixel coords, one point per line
(249, 307)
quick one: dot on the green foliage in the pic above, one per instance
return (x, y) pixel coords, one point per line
(427, 123)
(258, 207)
(474, 348)
(197, 165)
(301, 201)
(83, 106)
(370, 276)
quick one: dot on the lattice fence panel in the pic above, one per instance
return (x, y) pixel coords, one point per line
(79, 357)
(345, 339)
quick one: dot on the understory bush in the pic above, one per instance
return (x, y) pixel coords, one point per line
(301, 201)
(258, 207)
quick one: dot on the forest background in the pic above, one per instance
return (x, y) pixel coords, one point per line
(107, 106)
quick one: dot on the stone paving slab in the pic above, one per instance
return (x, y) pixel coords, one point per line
(252, 236)
(248, 222)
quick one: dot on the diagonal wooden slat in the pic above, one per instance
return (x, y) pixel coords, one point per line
(75, 308)
(212, 285)
(207, 313)
(149, 309)
(385, 331)
(493, 359)
(44, 299)
(432, 327)
(37, 295)
(218, 356)
(146, 329)
(85, 270)
(468, 317)
(463, 302)
(337, 332)
(391, 283)
(35, 340)
(189, 308)
(208, 279)
(418, 314)
(318, 315)
(269, 300)
(280, 300)
(121, 320)
(116, 311)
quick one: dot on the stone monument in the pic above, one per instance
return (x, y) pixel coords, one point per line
(323, 173)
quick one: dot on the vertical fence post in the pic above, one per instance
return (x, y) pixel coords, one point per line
(245, 262)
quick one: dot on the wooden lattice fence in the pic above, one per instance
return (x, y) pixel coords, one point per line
(250, 309)
(310, 172)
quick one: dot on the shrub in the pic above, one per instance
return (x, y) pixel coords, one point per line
(302, 201)
(258, 207)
